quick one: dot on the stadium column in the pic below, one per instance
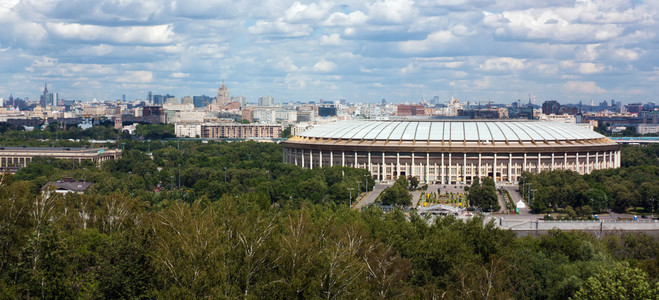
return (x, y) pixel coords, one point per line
(310, 159)
(565, 161)
(510, 167)
(320, 158)
(427, 166)
(539, 163)
(587, 168)
(384, 166)
(480, 174)
(295, 157)
(343, 158)
(369, 162)
(464, 168)
(552, 161)
(412, 167)
(302, 155)
(331, 158)
(442, 171)
(576, 162)
(397, 164)
(356, 159)
(449, 169)
(494, 168)
(524, 165)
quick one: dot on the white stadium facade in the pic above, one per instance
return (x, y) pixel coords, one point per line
(453, 151)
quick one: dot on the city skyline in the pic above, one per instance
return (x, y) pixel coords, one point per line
(399, 50)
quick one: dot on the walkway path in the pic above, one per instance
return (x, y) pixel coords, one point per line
(371, 196)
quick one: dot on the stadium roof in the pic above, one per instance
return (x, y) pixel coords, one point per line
(481, 131)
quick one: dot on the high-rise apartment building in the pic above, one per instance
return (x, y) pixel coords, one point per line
(266, 101)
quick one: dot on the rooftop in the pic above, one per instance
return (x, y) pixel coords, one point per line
(452, 131)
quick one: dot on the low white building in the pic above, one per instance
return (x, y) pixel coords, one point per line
(187, 129)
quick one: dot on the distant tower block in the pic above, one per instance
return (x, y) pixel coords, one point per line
(222, 96)
(117, 118)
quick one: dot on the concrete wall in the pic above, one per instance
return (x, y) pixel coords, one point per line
(525, 225)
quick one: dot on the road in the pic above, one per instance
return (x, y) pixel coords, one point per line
(371, 196)
(514, 193)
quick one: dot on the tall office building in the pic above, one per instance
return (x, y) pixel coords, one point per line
(201, 101)
(149, 98)
(158, 99)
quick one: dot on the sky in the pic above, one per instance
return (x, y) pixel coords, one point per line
(399, 50)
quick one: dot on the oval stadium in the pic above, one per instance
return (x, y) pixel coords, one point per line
(453, 151)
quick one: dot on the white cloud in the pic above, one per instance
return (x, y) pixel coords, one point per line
(559, 26)
(136, 77)
(583, 87)
(435, 40)
(354, 18)
(590, 68)
(504, 64)
(286, 64)
(392, 11)
(626, 54)
(281, 28)
(159, 34)
(333, 39)
(179, 75)
(304, 12)
(324, 66)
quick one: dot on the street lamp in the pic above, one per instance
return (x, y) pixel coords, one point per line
(350, 191)
(358, 189)
(225, 174)
(652, 208)
(366, 182)
(171, 182)
(267, 172)
(179, 176)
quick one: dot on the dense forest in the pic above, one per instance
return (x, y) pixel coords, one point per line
(193, 219)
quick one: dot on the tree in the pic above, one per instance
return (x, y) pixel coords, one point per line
(286, 133)
(485, 196)
(414, 182)
(623, 282)
(397, 194)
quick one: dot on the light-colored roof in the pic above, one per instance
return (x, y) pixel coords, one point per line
(482, 131)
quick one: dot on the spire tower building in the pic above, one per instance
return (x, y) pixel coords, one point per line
(118, 124)
(222, 96)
